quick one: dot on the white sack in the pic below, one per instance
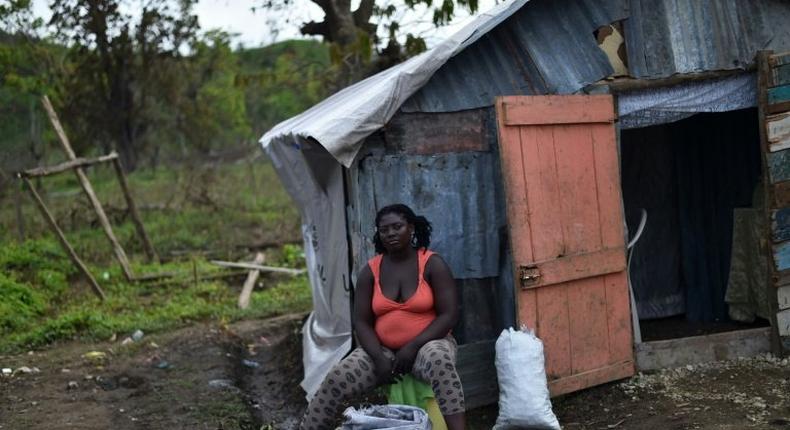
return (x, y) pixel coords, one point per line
(523, 391)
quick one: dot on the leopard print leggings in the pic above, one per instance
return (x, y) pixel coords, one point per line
(435, 363)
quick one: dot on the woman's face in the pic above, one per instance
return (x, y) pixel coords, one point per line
(395, 232)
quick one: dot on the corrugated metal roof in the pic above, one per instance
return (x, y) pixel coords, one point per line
(664, 37)
(548, 47)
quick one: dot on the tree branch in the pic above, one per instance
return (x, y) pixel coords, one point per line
(363, 13)
(313, 28)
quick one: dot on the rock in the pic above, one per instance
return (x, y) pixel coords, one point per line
(26, 370)
(72, 385)
(7, 372)
(127, 341)
(222, 384)
(137, 335)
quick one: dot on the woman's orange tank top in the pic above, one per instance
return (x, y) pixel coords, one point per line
(398, 323)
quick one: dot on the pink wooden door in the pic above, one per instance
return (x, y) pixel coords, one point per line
(562, 180)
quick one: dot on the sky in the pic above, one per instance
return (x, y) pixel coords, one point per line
(263, 27)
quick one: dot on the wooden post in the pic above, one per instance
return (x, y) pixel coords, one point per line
(249, 284)
(20, 219)
(138, 222)
(88, 188)
(62, 238)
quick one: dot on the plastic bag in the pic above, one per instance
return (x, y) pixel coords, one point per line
(523, 391)
(390, 417)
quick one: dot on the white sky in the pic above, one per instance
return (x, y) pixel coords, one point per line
(264, 27)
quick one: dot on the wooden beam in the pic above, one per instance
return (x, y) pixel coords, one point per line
(629, 84)
(567, 109)
(249, 283)
(251, 266)
(68, 165)
(475, 365)
(776, 192)
(150, 252)
(702, 349)
(88, 188)
(63, 241)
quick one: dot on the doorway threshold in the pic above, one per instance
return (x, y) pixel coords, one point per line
(662, 354)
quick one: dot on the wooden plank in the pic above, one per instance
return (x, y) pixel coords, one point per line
(589, 379)
(608, 189)
(120, 254)
(780, 75)
(589, 331)
(510, 149)
(778, 132)
(68, 165)
(702, 349)
(618, 305)
(63, 241)
(778, 95)
(783, 296)
(252, 266)
(779, 166)
(475, 365)
(249, 283)
(780, 225)
(150, 252)
(783, 322)
(438, 133)
(566, 109)
(781, 254)
(781, 192)
(782, 279)
(579, 214)
(780, 59)
(553, 329)
(542, 190)
(579, 266)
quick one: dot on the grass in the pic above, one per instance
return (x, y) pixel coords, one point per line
(191, 214)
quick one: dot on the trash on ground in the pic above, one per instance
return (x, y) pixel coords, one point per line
(251, 364)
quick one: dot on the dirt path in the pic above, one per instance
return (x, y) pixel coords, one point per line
(246, 377)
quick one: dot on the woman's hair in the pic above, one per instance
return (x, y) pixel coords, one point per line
(422, 228)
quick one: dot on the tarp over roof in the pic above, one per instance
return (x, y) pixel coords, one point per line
(341, 122)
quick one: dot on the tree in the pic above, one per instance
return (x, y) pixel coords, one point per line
(355, 43)
(117, 66)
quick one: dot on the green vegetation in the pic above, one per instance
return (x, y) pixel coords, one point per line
(199, 213)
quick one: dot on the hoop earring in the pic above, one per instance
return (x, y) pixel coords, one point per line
(413, 240)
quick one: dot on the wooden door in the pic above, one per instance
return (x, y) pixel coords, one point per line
(774, 107)
(562, 180)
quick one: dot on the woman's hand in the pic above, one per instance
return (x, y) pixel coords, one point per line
(404, 359)
(383, 369)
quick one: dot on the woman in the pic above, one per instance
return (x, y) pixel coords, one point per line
(405, 305)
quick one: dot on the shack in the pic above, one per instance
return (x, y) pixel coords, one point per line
(613, 174)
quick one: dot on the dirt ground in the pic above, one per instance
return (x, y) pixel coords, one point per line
(246, 376)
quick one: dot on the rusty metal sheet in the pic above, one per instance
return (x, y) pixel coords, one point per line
(438, 133)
